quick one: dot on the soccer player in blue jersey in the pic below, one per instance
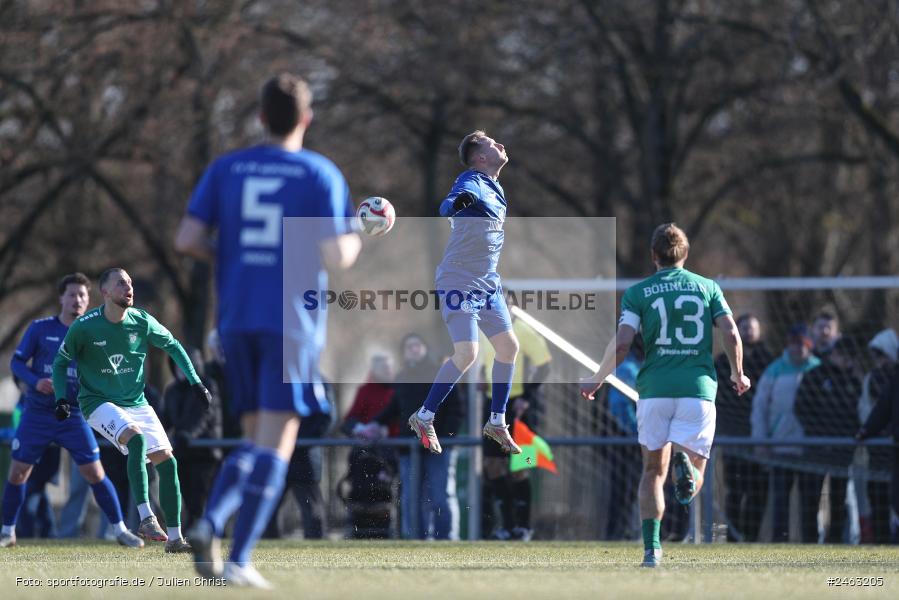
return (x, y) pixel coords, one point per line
(469, 285)
(244, 195)
(44, 422)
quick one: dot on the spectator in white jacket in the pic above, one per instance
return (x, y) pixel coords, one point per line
(773, 417)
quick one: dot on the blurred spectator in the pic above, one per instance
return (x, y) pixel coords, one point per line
(625, 460)
(884, 417)
(371, 399)
(186, 419)
(872, 497)
(509, 494)
(215, 371)
(304, 471)
(825, 333)
(437, 503)
(370, 468)
(827, 405)
(774, 417)
(74, 511)
(37, 518)
(746, 480)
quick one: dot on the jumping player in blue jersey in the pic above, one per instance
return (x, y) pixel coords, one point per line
(44, 422)
(470, 289)
(245, 195)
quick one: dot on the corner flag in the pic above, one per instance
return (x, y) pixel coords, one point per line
(535, 452)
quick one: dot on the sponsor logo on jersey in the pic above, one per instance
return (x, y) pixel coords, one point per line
(52, 338)
(101, 343)
(116, 360)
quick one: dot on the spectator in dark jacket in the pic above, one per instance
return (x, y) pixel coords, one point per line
(186, 419)
(746, 480)
(884, 418)
(827, 405)
(437, 500)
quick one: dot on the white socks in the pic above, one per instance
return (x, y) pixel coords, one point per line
(425, 415)
(119, 527)
(8, 530)
(144, 510)
(174, 532)
(498, 419)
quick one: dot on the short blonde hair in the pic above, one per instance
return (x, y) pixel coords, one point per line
(469, 143)
(670, 244)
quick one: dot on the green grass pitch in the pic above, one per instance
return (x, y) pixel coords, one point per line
(425, 570)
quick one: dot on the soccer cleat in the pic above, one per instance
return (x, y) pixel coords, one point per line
(424, 430)
(246, 576)
(652, 558)
(684, 479)
(500, 435)
(207, 550)
(7, 540)
(179, 546)
(522, 534)
(150, 530)
(129, 540)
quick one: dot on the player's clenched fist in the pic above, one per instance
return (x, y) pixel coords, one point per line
(588, 388)
(741, 383)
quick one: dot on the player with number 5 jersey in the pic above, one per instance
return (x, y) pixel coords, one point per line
(675, 310)
(283, 217)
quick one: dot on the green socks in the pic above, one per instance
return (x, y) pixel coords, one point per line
(651, 534)
(137, 469)
(170, 492)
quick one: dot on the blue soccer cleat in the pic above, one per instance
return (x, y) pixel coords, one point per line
(652, 558)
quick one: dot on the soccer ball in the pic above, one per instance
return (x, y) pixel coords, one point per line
(376, 216)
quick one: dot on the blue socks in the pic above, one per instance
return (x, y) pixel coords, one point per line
(13, 498)
(227, 490)
(447, 377)
(261, 495)
(107, 500)
(502, 385)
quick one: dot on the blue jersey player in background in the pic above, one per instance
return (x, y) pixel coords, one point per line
(43, 422)
(469, 285)
(245, 195)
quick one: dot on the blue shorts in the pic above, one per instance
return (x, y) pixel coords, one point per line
(465, 314)
(254, 373)
(38, 428)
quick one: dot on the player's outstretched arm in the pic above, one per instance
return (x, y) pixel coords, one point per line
(733, 348)
(616, 352)
(194, 239)
(341, 252)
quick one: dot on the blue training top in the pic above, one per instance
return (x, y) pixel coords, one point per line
(39, 345)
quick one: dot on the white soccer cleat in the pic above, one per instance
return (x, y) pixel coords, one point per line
(500, 435)
(424, 431)
(129, 540)
(7, 540)
(246, 576)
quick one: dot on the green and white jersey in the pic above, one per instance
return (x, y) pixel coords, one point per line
(111, 357)
(675, 311)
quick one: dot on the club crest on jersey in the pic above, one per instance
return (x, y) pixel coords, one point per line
(132, 338)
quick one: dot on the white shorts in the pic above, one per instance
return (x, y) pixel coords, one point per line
(111, 420)
(689, 422)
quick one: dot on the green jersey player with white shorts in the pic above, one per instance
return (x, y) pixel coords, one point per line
(675, 311)
(110, 344)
